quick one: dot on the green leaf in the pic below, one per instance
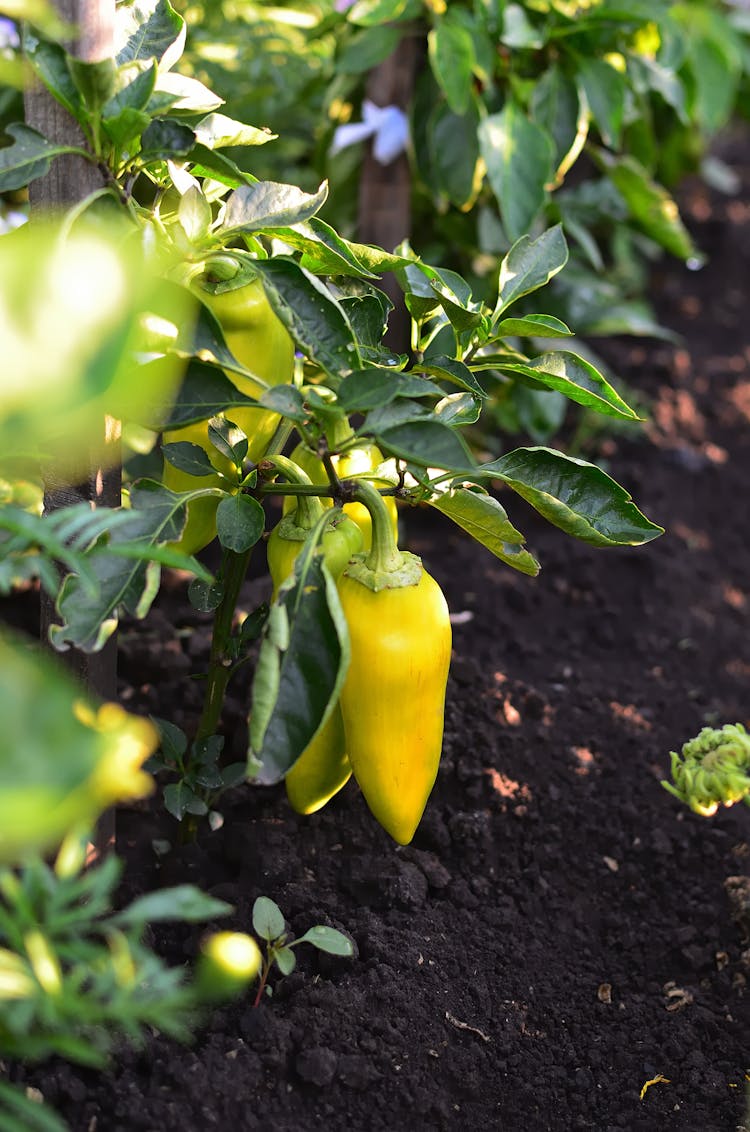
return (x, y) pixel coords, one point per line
(216, 131)
(217, 166)
(715, 71)
(183, 902)
(88, 620)
(529, 265)
(369, 12)
(454, 371)
(517, 31)
(458, 409)
(268, 921)
(301, 667)
(173, 741)
(286, 400)
(286, 960)
(556, 108)
(228, 439)
(578, 379)
(312, 316)
(519, 159)
(194, 214)
(451, 53)
(651, 207)
(323, 250)
(27, 158)
(604, 88)
(148, 29)
(485, 520)
(125, 126)
(94, 81)
(575, 496)
(205, 392)
(373, 388)
(204, 339)
(454, 155)
(164, 139)
(268, 204)
(181, 799)
(366, 49)
(427, 443)
(648, 74)
(135, 85)
(205, 596)
(190, 458)
(240, 521)
(50, 64)
(189, 96)
(329, 940)
(532, 326)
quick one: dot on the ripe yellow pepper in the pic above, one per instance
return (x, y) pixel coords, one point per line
(393, 698)
(323, 767)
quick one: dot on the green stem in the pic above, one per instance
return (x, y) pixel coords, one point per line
(309, 507)
(384, 556)
(233, 571)
(339, 433)
(320, 489)
(280, 437)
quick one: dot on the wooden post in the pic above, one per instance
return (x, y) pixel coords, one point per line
(385, 190)
(69, 181)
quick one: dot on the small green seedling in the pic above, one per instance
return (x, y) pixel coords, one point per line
(713, 769)
(269, 925)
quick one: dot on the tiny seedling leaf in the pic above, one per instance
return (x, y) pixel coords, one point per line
(268, 920)
(329, 940)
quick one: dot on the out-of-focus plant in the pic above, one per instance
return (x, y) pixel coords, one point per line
(712, 770)
(523, 114)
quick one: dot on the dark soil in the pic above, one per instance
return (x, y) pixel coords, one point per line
(559, 933)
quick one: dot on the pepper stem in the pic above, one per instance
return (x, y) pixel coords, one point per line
(309, 507)
(384, 556)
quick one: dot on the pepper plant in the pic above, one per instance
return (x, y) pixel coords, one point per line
(521, 115)
(284, 348)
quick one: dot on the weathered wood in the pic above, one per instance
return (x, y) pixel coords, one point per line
(385, 190)
(70, 180)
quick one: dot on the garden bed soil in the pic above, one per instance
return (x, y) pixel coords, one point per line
(560, 932)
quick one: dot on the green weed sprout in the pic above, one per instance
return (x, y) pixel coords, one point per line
(269, 924)
(713, 769)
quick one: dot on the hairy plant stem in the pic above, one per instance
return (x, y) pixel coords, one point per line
(233, 571)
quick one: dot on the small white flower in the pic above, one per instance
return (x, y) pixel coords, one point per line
(9, 36)
(388, 127)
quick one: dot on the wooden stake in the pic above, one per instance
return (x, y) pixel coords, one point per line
(69, 181)
(385, 190)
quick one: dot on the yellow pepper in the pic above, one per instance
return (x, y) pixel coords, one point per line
(393, 697)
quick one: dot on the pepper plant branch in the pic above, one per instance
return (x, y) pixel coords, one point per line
(232, 572)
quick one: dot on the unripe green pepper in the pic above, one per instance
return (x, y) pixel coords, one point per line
(355, 462)
(393, 698)
(259, 340)
(323, 767)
